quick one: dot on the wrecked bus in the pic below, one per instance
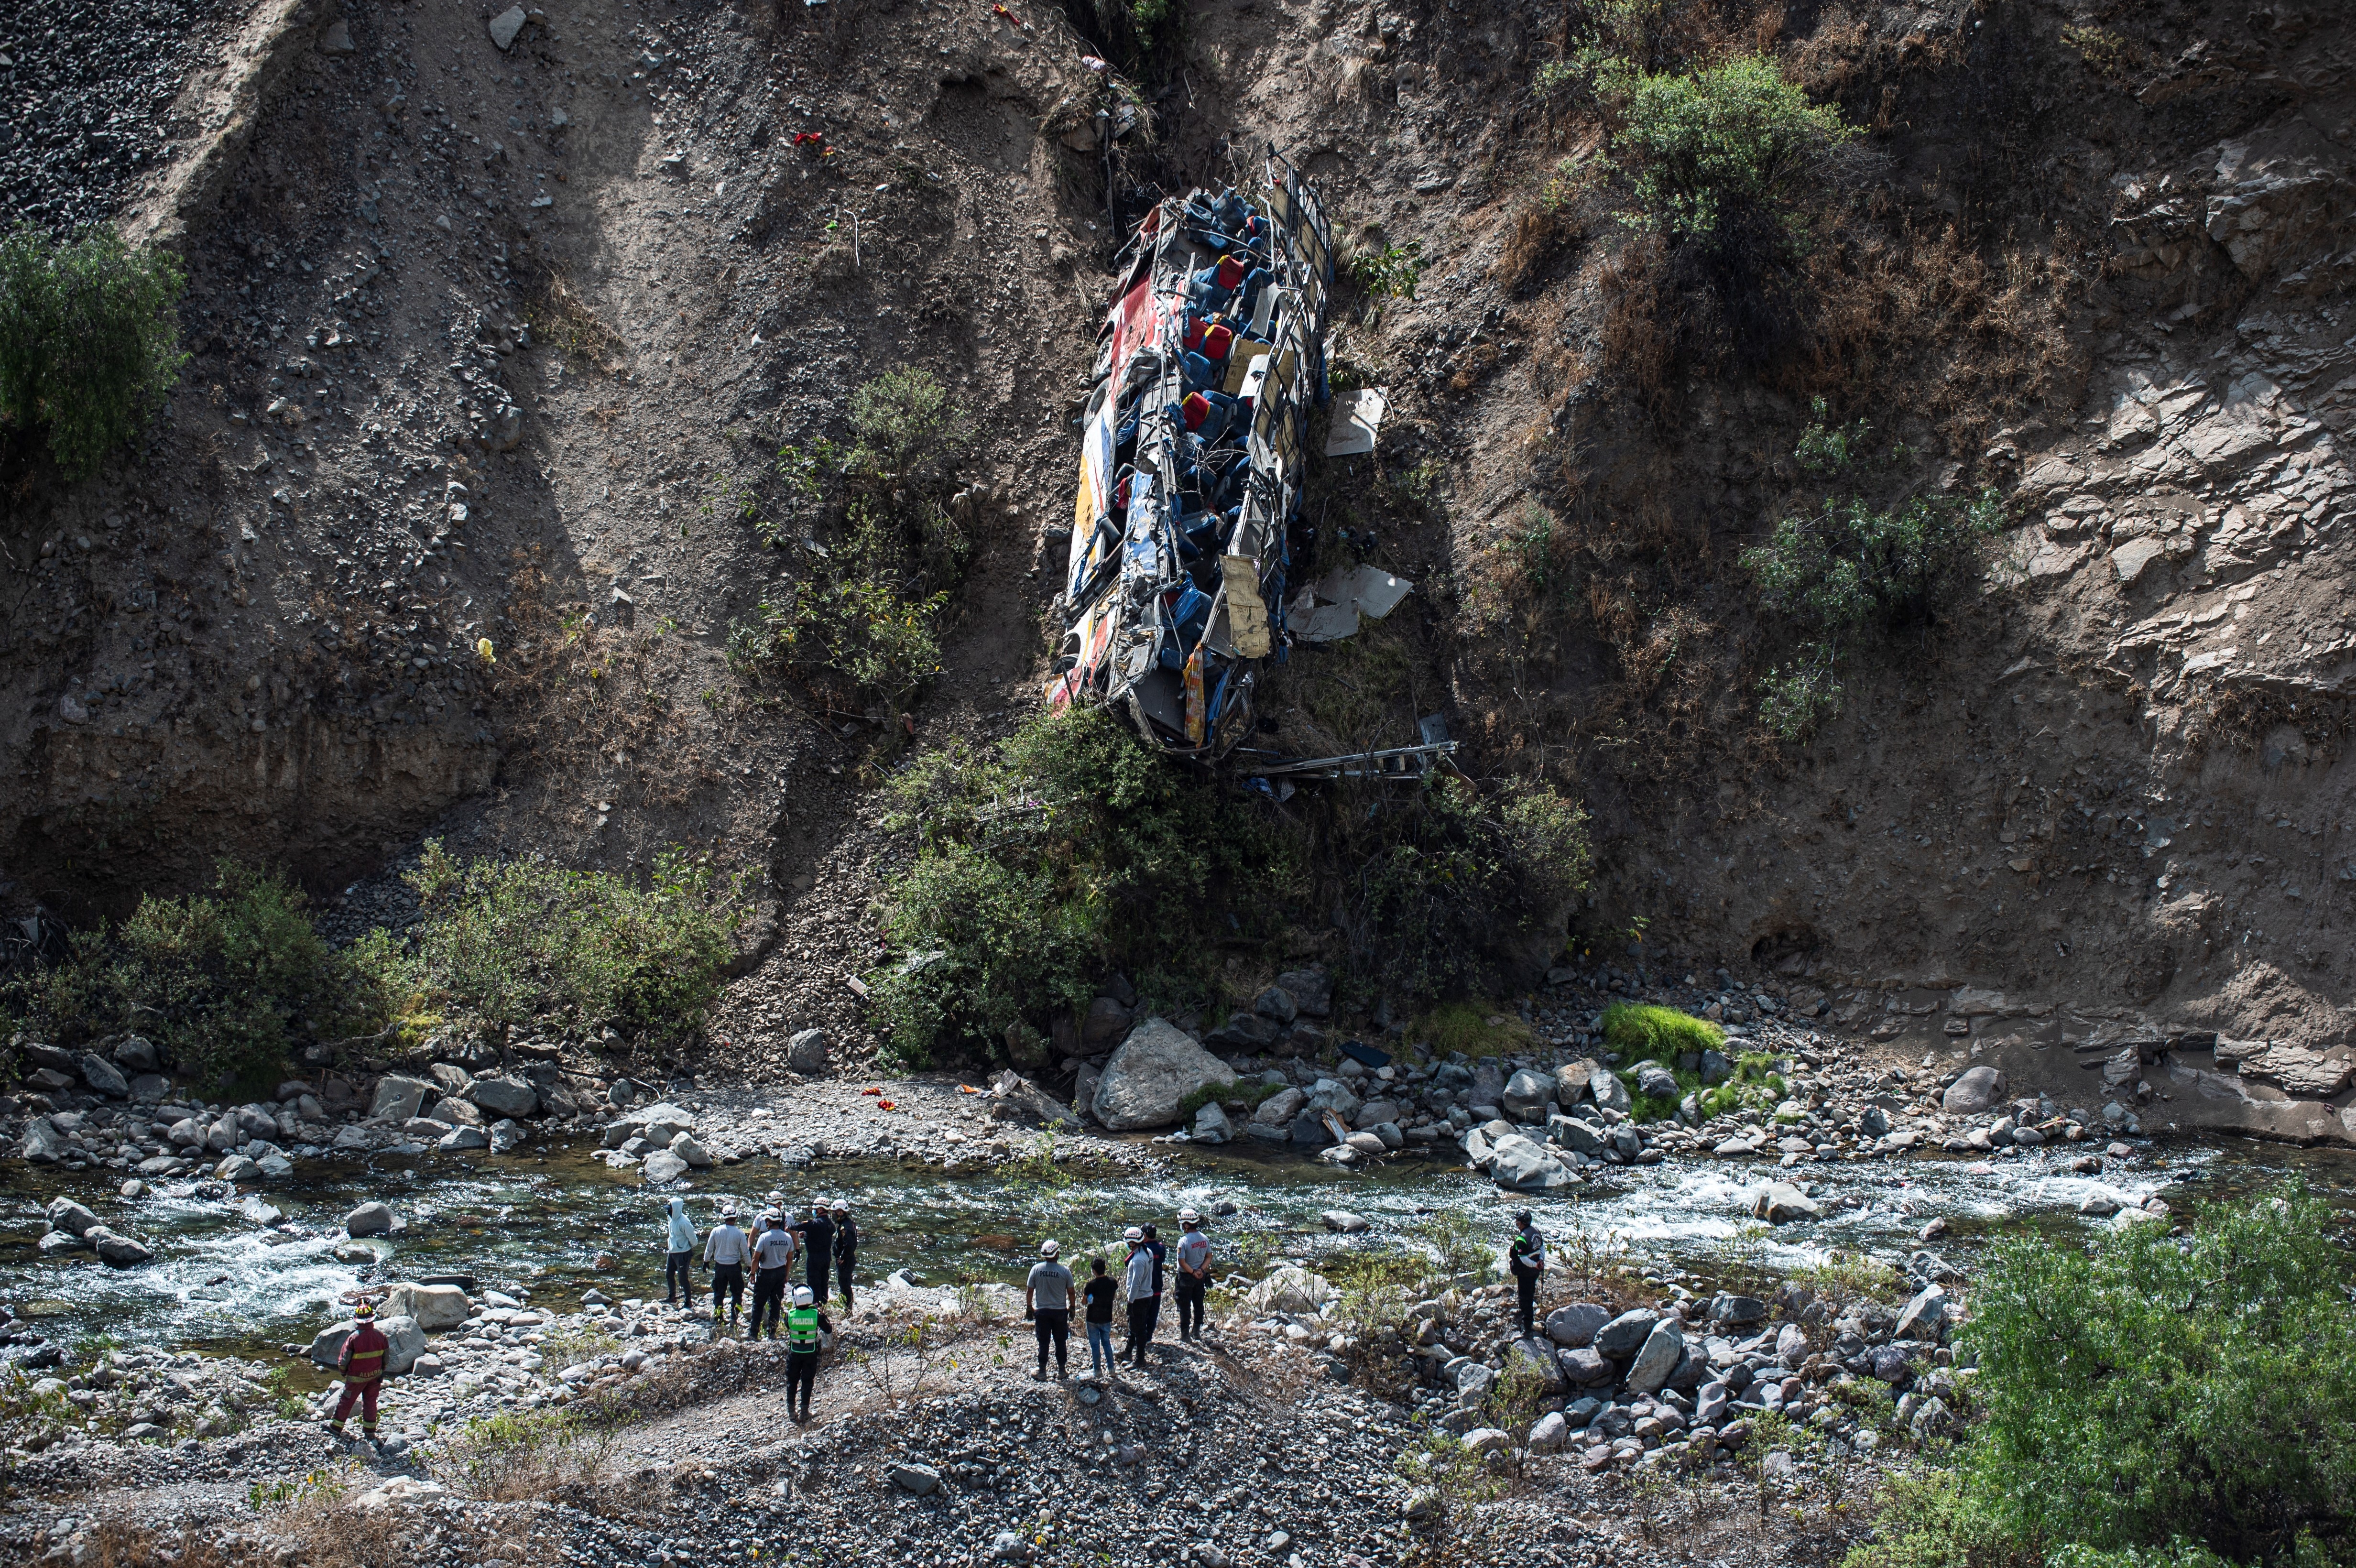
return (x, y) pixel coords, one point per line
(1192, 462)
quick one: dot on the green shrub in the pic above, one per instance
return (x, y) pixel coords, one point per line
(1456, 875)
(506, 941)
(225, 984)
(1718, 156)
(1851, 568)
(2142, 1392)
(1071, 848)
(1754, 1085)
(88, 340)
(1661, 1032)
(1794, 697)
(867, 609)
(1390, 273)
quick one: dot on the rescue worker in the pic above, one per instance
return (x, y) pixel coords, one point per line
(1048, 1297)
(361, 1361)
(1161, 1257)
(1194, 1274)
(805, 1325)
(818, 1248)
(724, 1252)
(773, 1259)
(680, 1239)
(1525, 1255)
(1137, 1281)
(846, 1249)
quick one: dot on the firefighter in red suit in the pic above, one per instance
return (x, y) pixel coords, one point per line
(362, 1364)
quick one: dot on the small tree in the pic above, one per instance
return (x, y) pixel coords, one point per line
(89, 341)
(2142, 1391)
(1719, 156)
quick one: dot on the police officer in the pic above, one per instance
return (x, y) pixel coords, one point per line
(806, 1331)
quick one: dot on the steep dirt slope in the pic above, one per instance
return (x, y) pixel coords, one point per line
(2096, 258)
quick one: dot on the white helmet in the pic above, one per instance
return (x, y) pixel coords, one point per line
(802, 1296)
(1132, 1234)
(1048, 1249)
(1188, 1217)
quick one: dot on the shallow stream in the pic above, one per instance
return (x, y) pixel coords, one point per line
(231, 1276)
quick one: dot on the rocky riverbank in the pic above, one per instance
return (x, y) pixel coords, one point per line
(1311, 1426)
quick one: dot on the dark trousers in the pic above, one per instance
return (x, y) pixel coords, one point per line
(1056, 1327)
(1141, 1315)
(364, 1393)
(801, 1374)
(728, 1280)
(818, 1270)
(843, 1266)
(677, 1276)
(1190, 1305)
(1526, 1300)
(769, 1296)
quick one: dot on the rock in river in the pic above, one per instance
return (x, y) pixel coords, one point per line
(368, 1219)
(71, 1217)
(119, 1251)
(663, 1166)
(1156, 1068)
(1778, 1201)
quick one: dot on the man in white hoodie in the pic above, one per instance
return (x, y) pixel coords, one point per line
(679, 1240)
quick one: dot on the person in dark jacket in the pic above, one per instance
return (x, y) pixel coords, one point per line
(362, 1362)
(1525, 1255)
(846, 1249)
(818, 1248)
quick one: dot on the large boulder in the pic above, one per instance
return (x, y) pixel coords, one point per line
(1312, 990)
(1548, 1433)
(1570, 1133)
(1587, 1366)
(1156, 1068)
(103, 1076)
(1974, 1091)
(1655, 1081)
(1575, 1325)
(1521, 1166)
(405, 1342)
(1290, 1289)
(1574, 1082)
(71, 1217)
(504, 1096)
(1278, 1109)
(1533, 1360)
(1626, 1334)
(1924, 1317)
(1657, 1358)
(1609, 1092)
(660, 1122)
(686, 1146)
(1526, 1092)
(1778, 1202)
(119, 1251)
(433, 1305)
(399, 1097)
(135, 1053)
(1211, 1125)
(663, 1166)
(368, 1219)
(806, 1052)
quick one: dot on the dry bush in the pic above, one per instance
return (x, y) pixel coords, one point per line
(566, 322)
(1939, 329)
(1637, 347)
(572, 692)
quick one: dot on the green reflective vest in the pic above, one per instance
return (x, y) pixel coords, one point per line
(801, 1329)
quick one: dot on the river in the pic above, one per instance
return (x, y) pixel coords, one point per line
(230, 1278)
